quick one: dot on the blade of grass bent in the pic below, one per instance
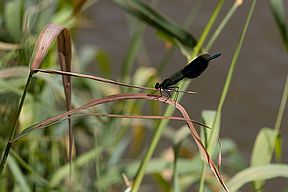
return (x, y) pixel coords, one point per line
(48, 34)
(44, 42)
(118, 97)
(64, 54)
(68, 114)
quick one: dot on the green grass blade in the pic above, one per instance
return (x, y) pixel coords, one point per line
(255, 173)
(132, 52)
(263, 147)
(208, 27)
(81, 160)
(282, 106)
(18, 175)
(223, 24)
(277, 8)
(28, 168)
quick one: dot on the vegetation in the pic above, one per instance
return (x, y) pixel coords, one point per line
(55, 140)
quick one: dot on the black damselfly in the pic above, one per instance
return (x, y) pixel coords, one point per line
(192, 70)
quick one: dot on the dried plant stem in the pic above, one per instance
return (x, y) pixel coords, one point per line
(52, 71)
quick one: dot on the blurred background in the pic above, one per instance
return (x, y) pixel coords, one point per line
(111, 42)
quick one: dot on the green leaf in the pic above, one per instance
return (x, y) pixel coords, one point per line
(263, 150)
(159, 22)
(255, 173)
(277, 8)
(278, 148)
(208, 117)
(263, 147)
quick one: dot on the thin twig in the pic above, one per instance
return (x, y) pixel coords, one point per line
(53, 71)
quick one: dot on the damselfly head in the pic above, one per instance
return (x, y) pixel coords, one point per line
(157, 85)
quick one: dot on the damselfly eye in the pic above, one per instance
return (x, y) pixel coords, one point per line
(157, 86)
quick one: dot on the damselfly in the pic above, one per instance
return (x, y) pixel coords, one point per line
(192, 70)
